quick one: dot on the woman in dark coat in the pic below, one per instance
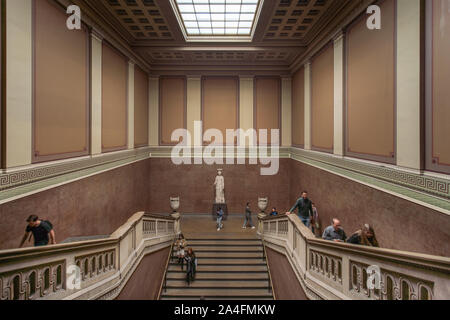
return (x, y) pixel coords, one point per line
(191, 266)
(365, 236)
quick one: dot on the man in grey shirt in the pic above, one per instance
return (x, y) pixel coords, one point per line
(334, 232)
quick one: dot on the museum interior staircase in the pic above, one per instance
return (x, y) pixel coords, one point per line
(230, 267)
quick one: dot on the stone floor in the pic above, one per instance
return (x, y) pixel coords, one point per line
(192, 225)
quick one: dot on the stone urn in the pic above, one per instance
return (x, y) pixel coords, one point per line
(175, 205)
(262, 205)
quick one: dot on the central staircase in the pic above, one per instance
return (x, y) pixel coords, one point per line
(229, 268)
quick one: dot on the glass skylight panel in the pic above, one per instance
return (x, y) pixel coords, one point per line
(218, 17)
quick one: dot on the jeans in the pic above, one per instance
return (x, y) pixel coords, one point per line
(219, 222)
(248, 219)
(306, 221)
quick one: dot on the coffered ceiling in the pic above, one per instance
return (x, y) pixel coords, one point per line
(284, 30)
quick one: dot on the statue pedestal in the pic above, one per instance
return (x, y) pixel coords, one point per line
(224, 208)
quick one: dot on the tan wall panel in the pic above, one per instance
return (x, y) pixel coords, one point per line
(60, 85)
(298, 108)
(140, 107)
(267, 105)
(172, 107)
(441, 81)
(371, 86)
(322, 100)
(220, 103)
(114, 99)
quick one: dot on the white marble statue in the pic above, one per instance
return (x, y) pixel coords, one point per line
(220, 187)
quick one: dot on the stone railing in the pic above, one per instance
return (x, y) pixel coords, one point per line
(330, 270)
(95, 269)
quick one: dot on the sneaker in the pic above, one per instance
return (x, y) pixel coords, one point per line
(218, 229)
(244, 227)
(253, 227)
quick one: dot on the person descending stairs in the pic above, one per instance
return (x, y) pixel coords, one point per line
(228, 267)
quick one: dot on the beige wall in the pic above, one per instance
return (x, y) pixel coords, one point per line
(371, 99)
(267, 105)
(246, 102)
(172, 107)
(440, 108)
(19, 94)
(322, 100)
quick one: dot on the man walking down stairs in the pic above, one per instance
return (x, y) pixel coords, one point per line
(229, 267)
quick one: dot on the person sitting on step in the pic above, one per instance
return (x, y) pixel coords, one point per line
(180, 244)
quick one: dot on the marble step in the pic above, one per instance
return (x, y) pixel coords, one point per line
(234, 293)
(200, 276)
(213, 248)
(227, 261)
(217, 284)
(224, 268)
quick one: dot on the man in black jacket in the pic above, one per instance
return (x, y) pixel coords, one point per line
(305, 211)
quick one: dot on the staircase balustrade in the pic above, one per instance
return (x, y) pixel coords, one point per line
(330, 270)
(94, 269)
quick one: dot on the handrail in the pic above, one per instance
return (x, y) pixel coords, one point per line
(164, 280)
(91, 269)
(271, 289)
(333, 270)
(431, 261)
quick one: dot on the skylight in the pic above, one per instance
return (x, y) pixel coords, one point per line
(212, 19)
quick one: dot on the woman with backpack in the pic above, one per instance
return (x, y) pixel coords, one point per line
(191, 266)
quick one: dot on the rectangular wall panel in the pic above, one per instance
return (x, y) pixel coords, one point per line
(61, 86)
(438, 93)
(298, 108)
(267, 106)
(322, 100)
(114, 99)
(220, 103)
(140, 107)
(371, 88)
(173, 101)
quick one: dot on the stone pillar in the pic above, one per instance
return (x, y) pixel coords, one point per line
(96, 94)
(153, 114)
(286, 111)
(308, 106)
(409, 122)
(131, 105)
(339, 94)
(19, 72)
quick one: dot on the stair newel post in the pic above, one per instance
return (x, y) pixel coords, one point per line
(175, 205)
(262, 204)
